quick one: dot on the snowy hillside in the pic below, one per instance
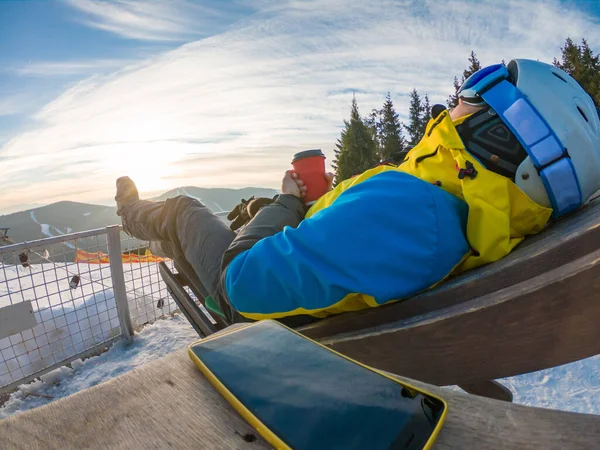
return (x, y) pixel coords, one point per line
(67, 217)
(57, 219)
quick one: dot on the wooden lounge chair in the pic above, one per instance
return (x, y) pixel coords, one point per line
(532, 310)
(169, 404)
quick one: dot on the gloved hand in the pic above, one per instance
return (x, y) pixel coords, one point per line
(244, 211)
(239, 215)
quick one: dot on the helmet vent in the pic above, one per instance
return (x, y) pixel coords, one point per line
(582, 114)
(559, 77)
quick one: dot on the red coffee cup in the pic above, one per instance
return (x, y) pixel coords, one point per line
(309, 165)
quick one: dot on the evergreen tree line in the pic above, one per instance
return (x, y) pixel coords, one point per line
(366, 142)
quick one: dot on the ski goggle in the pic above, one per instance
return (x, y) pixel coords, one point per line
(490, 85)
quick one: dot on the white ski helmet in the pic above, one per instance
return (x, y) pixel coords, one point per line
(555, 158)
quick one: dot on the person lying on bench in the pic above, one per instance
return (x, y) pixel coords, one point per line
(522, 147)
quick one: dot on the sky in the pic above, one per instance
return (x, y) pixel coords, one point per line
(222, 93)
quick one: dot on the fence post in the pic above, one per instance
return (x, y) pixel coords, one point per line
(118, 279)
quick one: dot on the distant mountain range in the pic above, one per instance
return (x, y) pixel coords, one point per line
(218, 199)
(67, 217)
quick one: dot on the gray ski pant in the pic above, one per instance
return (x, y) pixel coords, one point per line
(183, 229)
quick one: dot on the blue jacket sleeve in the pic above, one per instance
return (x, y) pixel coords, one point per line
(389, 237)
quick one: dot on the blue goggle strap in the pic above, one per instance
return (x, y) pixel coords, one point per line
(548, 155)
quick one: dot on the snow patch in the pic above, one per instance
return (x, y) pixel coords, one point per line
(47, 230)
(86, 214)
(571, 387)
(70, 321)
(153, 342)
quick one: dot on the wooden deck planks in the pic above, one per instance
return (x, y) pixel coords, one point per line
(169, 404)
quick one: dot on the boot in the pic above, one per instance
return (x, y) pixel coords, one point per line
(127, 193)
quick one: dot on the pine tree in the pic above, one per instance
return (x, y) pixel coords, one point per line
(570, 62)
(474, 66)
(373, 123)
(415, 116)
(355, 150)
(426, 115)
(390, 138)
(580, 62)
(337, 152)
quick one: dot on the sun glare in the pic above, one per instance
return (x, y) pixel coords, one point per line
(147, 164)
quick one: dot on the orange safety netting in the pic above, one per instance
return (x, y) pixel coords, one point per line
(102, 258)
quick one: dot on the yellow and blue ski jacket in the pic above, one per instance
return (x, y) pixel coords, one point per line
(386, 234)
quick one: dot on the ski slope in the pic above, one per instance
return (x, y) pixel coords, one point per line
(50, 231)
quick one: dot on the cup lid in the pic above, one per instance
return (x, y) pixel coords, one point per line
(307, 154)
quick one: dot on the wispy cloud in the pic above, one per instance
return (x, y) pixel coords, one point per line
(174, 20)
(279, 82)
(69, 68)
(13, 104)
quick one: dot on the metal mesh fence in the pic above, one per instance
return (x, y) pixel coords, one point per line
(147, 294)
(73, 304)
(68, 283)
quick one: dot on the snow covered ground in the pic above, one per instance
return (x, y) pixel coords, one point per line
(154, 341)
(70, 321)
(572, 387)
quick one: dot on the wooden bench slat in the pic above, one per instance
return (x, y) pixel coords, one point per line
(169, 404)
